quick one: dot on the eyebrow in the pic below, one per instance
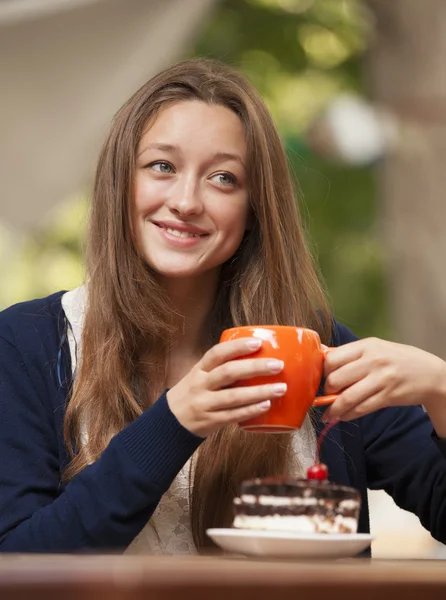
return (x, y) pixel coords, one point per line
(162, 147)
(172, 148)
(228, 156)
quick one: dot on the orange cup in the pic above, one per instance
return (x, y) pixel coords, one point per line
(303, 355)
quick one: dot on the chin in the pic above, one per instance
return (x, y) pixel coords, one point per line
(179, 272)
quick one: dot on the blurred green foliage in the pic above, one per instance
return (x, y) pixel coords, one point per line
(299, 54)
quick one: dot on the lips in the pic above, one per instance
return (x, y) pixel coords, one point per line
(179, 229)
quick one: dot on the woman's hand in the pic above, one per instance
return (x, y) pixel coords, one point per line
(373, 373)
(206, 398)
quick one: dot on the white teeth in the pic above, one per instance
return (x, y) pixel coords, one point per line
(181, 234)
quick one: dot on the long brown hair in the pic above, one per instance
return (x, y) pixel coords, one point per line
(129, 322)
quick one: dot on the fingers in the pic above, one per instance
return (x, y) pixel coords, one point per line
(225, 351)
(351, 399)
(244, 413)
(238, 397)
(372, 404)
(237, 370)
(345, 376)
(342, 355)
(232, 405)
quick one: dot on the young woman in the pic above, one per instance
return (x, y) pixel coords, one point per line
(118, 425)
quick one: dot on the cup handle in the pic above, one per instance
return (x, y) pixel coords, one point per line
(329, 398)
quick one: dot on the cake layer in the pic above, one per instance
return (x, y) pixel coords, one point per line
(302, 524)
(266, 505)
(285, 504)
(282, 487)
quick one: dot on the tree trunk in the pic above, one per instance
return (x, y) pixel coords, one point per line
(407, 75)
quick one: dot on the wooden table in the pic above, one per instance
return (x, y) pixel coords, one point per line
(216, 578)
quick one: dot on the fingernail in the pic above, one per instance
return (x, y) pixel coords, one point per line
(254, 343)
(265, 405)
(279, 389)
(275, 366)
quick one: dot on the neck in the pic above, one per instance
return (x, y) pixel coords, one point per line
(193, 300)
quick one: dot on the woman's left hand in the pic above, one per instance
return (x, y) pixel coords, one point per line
(372, 373)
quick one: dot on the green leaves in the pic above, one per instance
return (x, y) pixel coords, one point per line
(300, 54)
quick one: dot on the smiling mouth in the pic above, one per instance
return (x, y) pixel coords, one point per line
(181, 234)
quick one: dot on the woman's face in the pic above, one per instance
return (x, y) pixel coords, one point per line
(191, 199)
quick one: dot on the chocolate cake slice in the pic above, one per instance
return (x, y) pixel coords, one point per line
(298, 505)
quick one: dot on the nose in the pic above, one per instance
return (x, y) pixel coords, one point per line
(185, 200)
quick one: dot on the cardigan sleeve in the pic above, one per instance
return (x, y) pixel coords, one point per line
(404, 457)
(104, 506)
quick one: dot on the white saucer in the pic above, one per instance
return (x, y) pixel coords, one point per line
(284, 544)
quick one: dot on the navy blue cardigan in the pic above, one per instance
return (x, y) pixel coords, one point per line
(106, 505)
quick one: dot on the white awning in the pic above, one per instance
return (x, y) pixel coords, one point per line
(66, 66)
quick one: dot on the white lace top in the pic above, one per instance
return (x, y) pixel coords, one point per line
(168, 530)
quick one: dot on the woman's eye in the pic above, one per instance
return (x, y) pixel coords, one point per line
(224, 178)
(161, 167)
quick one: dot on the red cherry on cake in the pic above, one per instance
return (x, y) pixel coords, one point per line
(318, 471)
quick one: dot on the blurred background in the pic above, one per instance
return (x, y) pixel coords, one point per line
(358, 90)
